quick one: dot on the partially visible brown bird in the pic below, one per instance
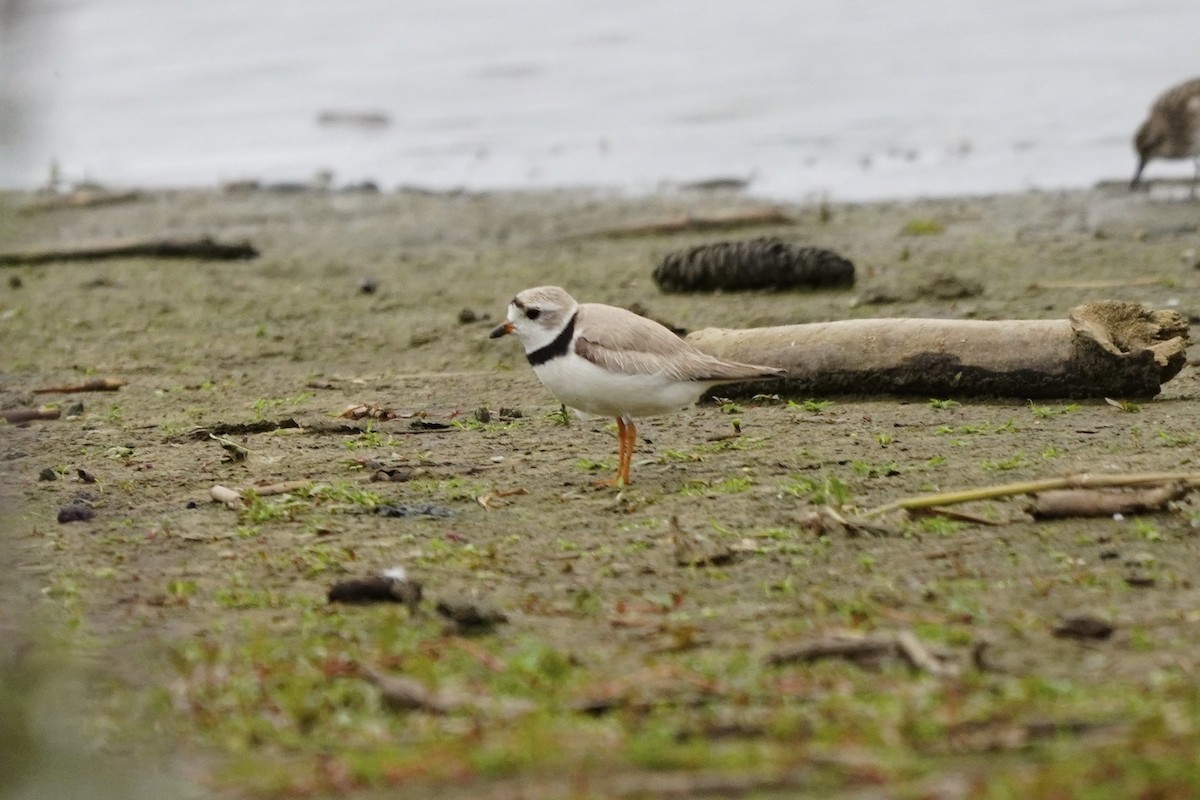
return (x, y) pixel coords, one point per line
(1172, 130)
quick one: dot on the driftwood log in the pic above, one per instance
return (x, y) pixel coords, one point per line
(1103, 349)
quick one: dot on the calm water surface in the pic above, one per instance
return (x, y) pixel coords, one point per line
(846, 99)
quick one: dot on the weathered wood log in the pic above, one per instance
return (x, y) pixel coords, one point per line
(1103, 349)
(204, 248)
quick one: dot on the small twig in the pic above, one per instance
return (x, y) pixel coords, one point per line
(684, 223)
(278, 488)
(15, 416)
(91, 385)
(204, 248)
(1110, 284)
(1083, 480)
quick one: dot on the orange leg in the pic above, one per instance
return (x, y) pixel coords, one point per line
(630, 440)
(626, 435)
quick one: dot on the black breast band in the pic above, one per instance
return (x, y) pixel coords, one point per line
(559, 347)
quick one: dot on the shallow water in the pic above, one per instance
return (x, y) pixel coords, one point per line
(845, 99)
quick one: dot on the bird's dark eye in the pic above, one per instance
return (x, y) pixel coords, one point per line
(533, 313)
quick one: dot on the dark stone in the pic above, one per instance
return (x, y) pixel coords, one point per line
(1083, 627)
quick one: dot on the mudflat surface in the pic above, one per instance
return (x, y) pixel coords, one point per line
(618, 671)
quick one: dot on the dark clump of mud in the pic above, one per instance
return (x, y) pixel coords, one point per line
(764, 263)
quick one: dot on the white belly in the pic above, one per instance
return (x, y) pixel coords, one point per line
(580, 384)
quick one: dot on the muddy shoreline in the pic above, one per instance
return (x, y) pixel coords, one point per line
(387, 298)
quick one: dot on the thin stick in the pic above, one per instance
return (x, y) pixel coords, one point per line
(90, 385)
(15, 416)
(204, 248)
(1083, 480)
(1111, 284)
(723, 220)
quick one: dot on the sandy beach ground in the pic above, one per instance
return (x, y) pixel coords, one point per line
(619, 671)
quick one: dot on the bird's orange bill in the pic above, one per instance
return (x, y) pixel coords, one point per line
(502, 329)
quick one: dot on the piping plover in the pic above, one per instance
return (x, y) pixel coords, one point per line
(1172, 130)
(611, 362)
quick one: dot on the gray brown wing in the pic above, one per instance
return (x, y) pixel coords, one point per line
(624, 342)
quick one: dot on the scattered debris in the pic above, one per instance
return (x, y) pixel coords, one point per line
(1060, 503)
(646, 688)
(234, 451)
(948, 286)
(998, 735)
(92, 385)
(415, 510)
(497, 498)
(392, 586)
(1109, 284)
(283, 487)
(371, 410)
(402, 693)
(697, 550)
(764, 263)
(242, 428)
(236, 498)
(204, 249)
(1083, 627)
(1080, 481)
(16, 416)
(827, 521)
(76, 511)
(423, 425)
(868, 651)
(716, 184)
(467, 618)
(686, 223)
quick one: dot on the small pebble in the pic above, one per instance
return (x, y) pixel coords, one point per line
(467, 316)
(1083, 627)
(47, 474)
(86, 476)
(368, 285)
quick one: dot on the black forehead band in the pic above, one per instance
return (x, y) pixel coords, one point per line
(516, 301)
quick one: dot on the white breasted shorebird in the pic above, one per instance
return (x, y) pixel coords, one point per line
(1172, 130)
(612, 362)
